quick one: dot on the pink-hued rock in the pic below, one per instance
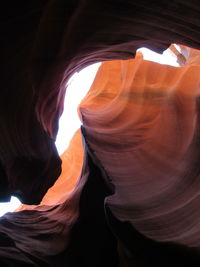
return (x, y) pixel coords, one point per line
(141, 175)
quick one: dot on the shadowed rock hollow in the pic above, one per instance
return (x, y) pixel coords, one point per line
(127, 192)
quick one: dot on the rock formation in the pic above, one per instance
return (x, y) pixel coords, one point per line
(132, 188)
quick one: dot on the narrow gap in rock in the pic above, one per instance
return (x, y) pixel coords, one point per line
(77, 88)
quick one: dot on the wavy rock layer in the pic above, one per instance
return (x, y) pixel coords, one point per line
(142, 122)
(43, 44)
(152, 173)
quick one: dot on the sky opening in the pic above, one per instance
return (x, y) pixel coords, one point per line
(77, 88)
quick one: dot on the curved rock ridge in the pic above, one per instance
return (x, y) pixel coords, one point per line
(142, 122)
(136, 201)
(43, 44)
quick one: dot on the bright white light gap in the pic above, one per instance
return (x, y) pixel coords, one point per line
(69, 122)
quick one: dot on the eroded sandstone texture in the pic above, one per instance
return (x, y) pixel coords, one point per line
(135, 202)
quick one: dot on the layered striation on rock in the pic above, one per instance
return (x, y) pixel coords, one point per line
(137, 195)
(142, 121)
(72, 233)
(43, 44)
